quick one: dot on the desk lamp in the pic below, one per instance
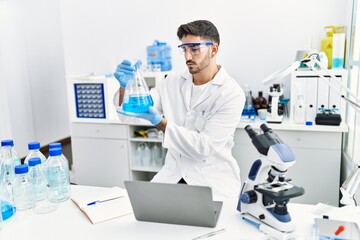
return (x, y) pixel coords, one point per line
(351, 184)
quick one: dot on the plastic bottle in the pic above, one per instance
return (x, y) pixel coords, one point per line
(159, 56)
(40, 187)
(156, 155)
(10, 159)
(58, 176)
(249, 109)
(327, 44)
(34, 151)
(21, 188)
(338, 51)
(146, 158)
(137, 97)
(299, 111)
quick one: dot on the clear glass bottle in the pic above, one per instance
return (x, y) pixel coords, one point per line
(34, 151)
(10, 159)
(22, 192)
(40, 187)
(58, 145)
(137, 97)
(58, 176)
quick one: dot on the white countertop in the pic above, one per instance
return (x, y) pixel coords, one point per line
(285, 125)
(68, 222)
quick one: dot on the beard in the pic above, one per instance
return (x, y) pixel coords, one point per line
(196, 67)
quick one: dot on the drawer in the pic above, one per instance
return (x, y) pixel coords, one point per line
(298, 139)
(96, 130)
(315, 140)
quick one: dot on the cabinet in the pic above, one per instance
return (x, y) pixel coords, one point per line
(146, 154)
(318, 158)
(100, 154)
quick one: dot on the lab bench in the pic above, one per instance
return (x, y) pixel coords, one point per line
(104, 150)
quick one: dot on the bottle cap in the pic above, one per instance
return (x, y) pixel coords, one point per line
(55, 145)
(33, 145)
(23, 168)
(7, 142)
(308, 123)
(55, 152)
(34, 161)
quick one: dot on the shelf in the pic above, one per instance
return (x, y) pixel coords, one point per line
(138, 139)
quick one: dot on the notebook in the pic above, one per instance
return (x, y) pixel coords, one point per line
(102, 204)
(173, 203)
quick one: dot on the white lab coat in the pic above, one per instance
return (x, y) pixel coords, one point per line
(199, 139)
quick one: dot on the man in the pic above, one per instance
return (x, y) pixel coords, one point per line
(198, 111)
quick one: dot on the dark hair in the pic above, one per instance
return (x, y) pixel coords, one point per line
(202, 28)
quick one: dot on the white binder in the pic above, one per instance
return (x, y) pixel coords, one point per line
(323, 94)
(311, 98)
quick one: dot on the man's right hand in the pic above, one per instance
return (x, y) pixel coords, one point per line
(125, 71)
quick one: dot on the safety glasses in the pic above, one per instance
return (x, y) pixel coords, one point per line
(194, 48)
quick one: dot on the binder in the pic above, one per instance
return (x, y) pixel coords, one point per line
(298, 88)
(311, 98)
(323, 94)
(334, 97)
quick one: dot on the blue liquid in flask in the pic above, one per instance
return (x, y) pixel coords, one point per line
(7, 210)
(138, 103)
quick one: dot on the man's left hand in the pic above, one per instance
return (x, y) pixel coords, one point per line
(152, 115)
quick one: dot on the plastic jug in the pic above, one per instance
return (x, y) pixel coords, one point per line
(327, 44)
(137, 97)
(159, 56)
(338, 51)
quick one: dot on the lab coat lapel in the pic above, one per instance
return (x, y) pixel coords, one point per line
(186, 89)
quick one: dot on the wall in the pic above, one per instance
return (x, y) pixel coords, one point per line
(257, 37)
(32, 78)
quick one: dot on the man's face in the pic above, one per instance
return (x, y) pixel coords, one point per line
(197, 57)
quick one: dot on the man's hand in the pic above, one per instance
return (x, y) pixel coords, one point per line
(125, 71)
(152, 115)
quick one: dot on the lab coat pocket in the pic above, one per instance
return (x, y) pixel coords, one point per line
(199, 123)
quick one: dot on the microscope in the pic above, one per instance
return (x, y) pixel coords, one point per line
(266, 192)
(275, 91)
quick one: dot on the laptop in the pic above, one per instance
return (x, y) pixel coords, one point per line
(173, 203)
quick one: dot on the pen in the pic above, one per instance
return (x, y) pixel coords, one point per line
(101, 201)
(210, 234)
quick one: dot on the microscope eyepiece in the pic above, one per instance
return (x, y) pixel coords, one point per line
(250, 131)
(265, 128)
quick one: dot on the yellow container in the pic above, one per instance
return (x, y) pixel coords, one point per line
(327, 43)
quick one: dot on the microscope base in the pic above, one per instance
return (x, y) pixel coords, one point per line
(277, 119)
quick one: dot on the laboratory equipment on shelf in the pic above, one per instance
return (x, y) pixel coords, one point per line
(351, 184)
(159, 57)
(275, 91)
(266, 192)
(249, 111)
(91, 96)
(137, 97)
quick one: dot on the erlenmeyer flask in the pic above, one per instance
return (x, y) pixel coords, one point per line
(137, 97)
